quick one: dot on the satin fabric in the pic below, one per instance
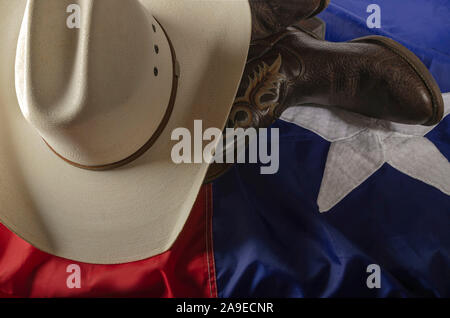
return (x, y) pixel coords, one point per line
(186, 270)
(271, 240)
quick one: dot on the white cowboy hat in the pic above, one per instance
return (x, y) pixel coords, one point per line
(108, 94)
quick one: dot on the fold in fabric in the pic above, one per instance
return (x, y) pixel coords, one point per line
(186, 270)
(271, 241)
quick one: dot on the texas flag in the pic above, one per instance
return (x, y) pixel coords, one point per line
(359, 207)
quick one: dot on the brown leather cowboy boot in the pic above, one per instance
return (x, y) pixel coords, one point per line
(272, 16)
(373, 76)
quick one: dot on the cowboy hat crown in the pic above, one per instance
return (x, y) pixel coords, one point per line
(97, 93)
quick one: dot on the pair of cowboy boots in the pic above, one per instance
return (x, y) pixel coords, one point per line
(289, 66)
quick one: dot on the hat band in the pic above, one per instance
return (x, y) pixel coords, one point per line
(156, 134)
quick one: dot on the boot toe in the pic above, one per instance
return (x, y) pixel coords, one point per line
(419, 107)
(415, 94)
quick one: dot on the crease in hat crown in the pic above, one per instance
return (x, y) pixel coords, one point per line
(98, 93)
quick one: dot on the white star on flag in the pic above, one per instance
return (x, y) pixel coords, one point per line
(361, 145)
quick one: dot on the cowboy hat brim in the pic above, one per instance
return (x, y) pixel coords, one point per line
(136, 211)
